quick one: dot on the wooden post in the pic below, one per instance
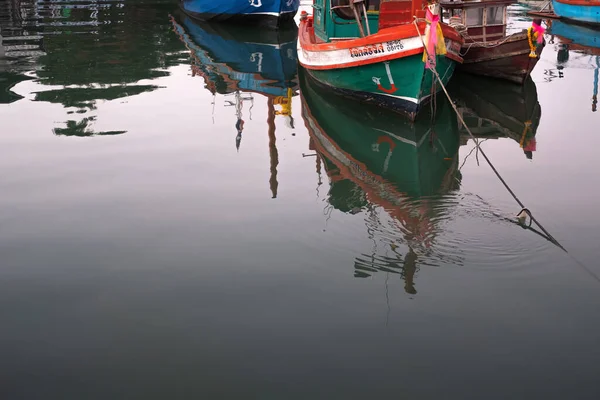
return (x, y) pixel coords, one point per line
(357, 17)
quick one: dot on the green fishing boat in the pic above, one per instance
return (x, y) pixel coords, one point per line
(381, 53)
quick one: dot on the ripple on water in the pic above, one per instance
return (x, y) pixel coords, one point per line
(492, 239)
(455, 230)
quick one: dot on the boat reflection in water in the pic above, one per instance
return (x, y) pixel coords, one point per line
(583, 40)
(394, 171)
(82, 54)
(240, 61)
(492, 109)
(7, 81)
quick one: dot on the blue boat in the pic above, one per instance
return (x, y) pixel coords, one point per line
(578, 10)
(270, 13)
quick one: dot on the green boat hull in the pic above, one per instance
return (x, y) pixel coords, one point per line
(405, 85)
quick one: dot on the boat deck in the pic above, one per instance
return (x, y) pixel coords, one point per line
(547, 14)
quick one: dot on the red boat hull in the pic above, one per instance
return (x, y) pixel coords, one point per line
(506, 58)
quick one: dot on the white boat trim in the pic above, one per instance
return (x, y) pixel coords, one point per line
(345, 56)
(273, 14)
(399, 138)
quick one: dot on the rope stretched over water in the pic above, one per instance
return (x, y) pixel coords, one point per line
(524, 209)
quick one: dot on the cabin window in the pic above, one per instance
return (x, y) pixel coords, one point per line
(495, 16)
(475, 17)
(373, 5)
(457, 13)
(319, 16)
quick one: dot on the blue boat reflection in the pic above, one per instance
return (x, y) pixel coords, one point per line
(239, 58)
(584, 40)
(240, 62)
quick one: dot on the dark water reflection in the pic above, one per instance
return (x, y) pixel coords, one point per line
(185, 214)
(86, 52)
(373, 161)
(241, 62)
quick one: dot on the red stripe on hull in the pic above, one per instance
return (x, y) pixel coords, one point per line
(580, 2)
(308, 41)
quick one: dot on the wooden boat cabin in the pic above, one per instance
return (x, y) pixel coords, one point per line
(477, 20)
(337, 19)
(487, 49)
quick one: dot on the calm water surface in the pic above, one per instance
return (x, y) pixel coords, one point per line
(183, 215)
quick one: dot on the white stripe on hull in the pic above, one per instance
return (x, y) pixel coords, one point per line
(411, 99)
(379, 186)
(273, 14)
(400, 138)
(345, 56)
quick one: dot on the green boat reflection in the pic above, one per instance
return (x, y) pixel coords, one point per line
(376, 160)
(492, 110)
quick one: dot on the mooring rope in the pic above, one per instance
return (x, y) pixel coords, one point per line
(524, 209)
(487, 45)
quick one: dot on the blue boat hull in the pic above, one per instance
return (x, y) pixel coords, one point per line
(588, 14)
(269, 13)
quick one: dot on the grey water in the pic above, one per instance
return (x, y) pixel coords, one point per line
(170, 229)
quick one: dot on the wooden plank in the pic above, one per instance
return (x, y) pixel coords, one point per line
(543, 14)
(19, 38)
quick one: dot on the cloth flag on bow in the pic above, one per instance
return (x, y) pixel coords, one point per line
(434, 42)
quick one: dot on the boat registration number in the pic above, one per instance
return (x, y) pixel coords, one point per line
(365, 51)
(379, 48)
(394, 45)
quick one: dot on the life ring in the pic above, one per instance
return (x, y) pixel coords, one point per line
(345, 12)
